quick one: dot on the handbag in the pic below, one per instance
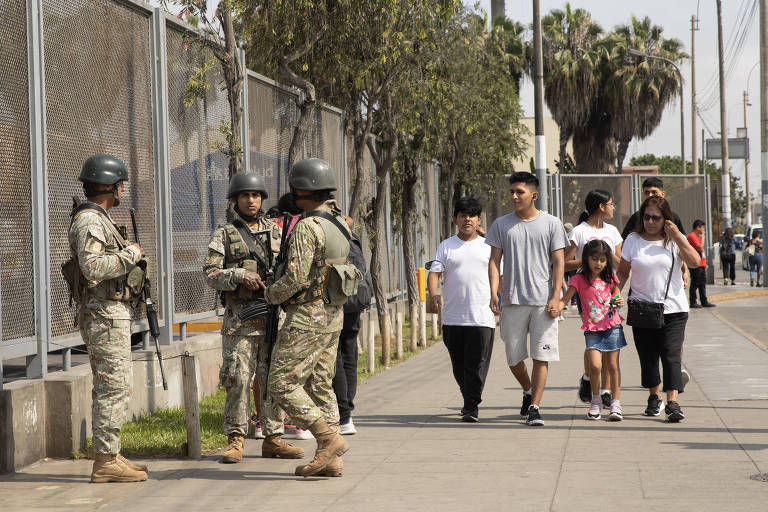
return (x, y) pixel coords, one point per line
(645, 314)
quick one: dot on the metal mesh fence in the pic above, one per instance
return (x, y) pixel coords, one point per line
(324, 141)
(16, 270)
(98, 100)
(687, 196)
(199, 172)
(575, 188)
(272, 115)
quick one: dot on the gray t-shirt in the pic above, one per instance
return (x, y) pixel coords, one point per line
(527, 247)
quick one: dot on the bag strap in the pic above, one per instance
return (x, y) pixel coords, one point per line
(250, 242)
(669, 277)
(333, 219)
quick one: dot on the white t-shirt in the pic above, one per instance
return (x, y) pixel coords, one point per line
(650, 262)
(583, 233)
(466, 289)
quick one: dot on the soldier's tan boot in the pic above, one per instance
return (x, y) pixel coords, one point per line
(329, 445)
(234, 452)
(274, 447)
(107, 468)
(334, 468)
(132, 465)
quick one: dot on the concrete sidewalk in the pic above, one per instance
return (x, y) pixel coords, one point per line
(413, 453)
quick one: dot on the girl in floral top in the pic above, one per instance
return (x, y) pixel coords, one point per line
(597, 286)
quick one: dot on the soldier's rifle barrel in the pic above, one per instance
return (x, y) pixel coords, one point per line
(154, 326)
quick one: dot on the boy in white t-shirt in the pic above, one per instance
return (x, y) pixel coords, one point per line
(468, 322)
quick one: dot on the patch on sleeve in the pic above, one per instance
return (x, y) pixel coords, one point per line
(96, 241)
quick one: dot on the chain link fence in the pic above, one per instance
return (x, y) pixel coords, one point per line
(99, 80)
(575, 187)
(16, 288)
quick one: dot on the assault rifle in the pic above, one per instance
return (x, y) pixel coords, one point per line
(259, 306)
(273, 317)
(146, 297)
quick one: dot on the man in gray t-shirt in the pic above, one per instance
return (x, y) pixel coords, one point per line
(533, 245)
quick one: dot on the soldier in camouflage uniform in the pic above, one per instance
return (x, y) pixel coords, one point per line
(237, 260)
(304, 356)
(105, 276)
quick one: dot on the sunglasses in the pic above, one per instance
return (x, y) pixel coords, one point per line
(652, 218)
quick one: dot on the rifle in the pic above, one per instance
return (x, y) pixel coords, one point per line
(154, 327)
(273, 316)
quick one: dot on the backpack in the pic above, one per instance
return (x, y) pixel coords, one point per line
(362, 299)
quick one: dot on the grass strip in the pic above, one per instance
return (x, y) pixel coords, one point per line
(163, 434)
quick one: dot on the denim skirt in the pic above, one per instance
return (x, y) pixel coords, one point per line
(606, 341)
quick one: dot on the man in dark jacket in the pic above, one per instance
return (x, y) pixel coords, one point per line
(345, 381)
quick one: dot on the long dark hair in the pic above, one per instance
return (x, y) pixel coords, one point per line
(666, 212)
(593, 201)
(595, 248)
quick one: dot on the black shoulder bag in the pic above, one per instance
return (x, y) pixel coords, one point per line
(645, 314)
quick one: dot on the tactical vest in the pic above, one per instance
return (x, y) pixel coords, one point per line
(237, 254)
(331, 276)
(126, 288)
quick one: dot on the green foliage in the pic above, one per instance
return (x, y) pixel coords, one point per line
(199, 84)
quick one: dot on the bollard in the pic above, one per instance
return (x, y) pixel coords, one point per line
(423, 325)
(371, 345)
(362, 338)
(191, 406)
(399, 335)
(414, 319)
(434, 327)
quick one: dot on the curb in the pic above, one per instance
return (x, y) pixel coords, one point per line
(746, 294)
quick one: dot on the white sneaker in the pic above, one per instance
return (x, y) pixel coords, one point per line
(303, 434)
(348, 429)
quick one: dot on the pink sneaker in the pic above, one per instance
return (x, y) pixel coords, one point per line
(303, 434)
(594, 409)
(616, 414)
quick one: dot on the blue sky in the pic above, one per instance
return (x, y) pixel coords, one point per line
(675, 16)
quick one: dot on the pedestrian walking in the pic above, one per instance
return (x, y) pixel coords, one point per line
(313, 285)
(237, 261)
(468, 324)
(699, 274)
(658, 306)
(532, 244)
(755, 253)
(106, 277)
(345, 380)
(599, 207)
(728, 256)
(598, 290)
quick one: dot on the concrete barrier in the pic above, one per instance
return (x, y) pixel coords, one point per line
(52, 417)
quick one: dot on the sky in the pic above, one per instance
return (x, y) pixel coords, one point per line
(675, 17)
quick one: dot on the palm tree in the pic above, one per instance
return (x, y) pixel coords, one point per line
(570, 84)
(639, 89)
(516, 51)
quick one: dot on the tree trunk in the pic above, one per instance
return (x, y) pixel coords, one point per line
(361, 179)
(233, 78)
(563, 154)
(595, 153)
(306, 113)
(408, 200)
(621, 154)
(449, 200)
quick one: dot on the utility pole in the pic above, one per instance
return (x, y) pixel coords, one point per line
(746, 162)
(694, 142)
(764, 120)
(497, 9)
(540, 156)
(725, 187)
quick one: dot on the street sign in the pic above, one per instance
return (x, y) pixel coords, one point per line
(738, 149)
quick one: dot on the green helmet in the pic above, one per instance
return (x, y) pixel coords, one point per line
(312, 174)
(247, 181)
(103, 170)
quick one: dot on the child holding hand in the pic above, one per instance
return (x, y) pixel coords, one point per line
(597, 286)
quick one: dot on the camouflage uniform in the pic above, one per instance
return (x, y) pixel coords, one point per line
(104, 316)
(244, 348)
(304, 356)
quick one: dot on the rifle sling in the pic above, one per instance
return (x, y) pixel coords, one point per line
(251, 241)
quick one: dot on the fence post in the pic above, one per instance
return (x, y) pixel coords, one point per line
(191, 406)
(399, 335)
(414, 319)
(244, 133)
(37, 366)
(162, 175)
(371, 345)
(423, 325)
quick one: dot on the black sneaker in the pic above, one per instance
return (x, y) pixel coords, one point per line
(585, 391)
(525, 406)
(673, 412)
(654, 406)
(534, 418)
(708, 305)
(607, 399)
(470, 416)
(695, 306)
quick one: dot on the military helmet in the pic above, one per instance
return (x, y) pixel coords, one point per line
(247, 181)
(103, 170)
(312, 174)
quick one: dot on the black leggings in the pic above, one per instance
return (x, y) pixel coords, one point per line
(729, 266)
(665, 344)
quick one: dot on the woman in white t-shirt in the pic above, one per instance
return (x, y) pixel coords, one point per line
(592, 226)
(656, 247)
